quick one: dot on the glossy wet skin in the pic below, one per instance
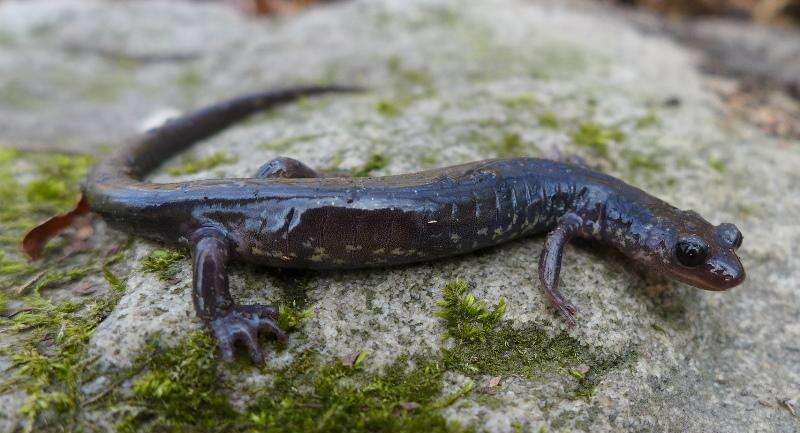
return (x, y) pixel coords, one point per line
(704, 255)
(288, 215)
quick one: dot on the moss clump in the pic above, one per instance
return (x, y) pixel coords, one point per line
(642, 162)
(376, 161)
(510, 145)
(597, 137)
(291, 316)
(484, 344)
(164, 263)
(49, 359)
(717, 165)
(192, 166)
(317, 396)
(525, 101)
(466, 318)
(52, 188)
(548, 120)
(180, 390)
(189, 79)
(649, 119)
(3, 302)
(388, 108)
(56, 277)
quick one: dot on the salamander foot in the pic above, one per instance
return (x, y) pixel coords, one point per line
(243, 324)
(565, 308)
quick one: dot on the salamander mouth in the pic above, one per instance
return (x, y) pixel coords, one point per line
(715, 275)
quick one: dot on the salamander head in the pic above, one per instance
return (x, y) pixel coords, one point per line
(704, 255)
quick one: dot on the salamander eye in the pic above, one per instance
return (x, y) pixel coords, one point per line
(691, 252)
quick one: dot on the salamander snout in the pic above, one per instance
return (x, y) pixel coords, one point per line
(708, 259)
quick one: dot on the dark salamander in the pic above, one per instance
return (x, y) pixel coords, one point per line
(290, 216)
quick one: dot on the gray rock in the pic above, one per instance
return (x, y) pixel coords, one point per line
(452, 82)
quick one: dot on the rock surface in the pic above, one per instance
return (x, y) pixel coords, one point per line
(452, 82)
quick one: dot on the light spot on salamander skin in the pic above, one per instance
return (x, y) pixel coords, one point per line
(455, 238)
(352, 248)
(483, 232)
(257, 251)
(398, 252)
(307, 244)
(497, 233)
(379, 251)
(320, 254)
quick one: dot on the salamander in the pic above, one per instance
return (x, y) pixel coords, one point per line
(289, 215)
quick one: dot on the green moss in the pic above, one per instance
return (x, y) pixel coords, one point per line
(49, 359)
(376, 161)
(484, 344)
(388, 108)
(58, 277)
(180, 390)
(597, 137)
(587, 382)
(525, 101)
(3, 302)
(429, 159)
(717, 165)
(510, 145)
(52, 187)
(313, 395)
(291, 316)
(548, 120)
(648, 120)
(189, 80)
(642, 162)
(192, 166)
(466, 318)
(164, 263)
(745, 211)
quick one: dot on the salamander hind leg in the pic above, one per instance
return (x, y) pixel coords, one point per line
(229, 322)
(289, 168)
(283, 167)
(550, 266)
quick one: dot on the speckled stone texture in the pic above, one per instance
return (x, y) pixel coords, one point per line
(452, 81)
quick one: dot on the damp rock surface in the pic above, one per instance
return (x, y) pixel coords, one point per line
(449, 82)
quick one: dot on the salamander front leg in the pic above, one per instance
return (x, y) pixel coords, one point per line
(550, 266)
(228, 321)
